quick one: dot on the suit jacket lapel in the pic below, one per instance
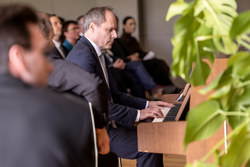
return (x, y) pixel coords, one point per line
(92, 49)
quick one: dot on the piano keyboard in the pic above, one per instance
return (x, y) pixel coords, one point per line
(168, 113)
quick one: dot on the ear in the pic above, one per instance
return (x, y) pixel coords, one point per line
(17, 64)
(92, 26)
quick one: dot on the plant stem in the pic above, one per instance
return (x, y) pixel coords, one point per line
(232, 113)
(244, 84)
(218, 145)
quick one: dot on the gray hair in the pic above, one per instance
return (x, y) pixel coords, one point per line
(96, 15)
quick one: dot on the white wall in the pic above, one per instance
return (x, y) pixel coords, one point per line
(155, 32)
(68, 9)
(71, 9)
(122, 8)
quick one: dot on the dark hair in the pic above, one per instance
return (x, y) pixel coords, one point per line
(126, 19)
(45, 24)
(65, 27)
(61, 19)
(53, 15)
(96, 15)
(14, 29)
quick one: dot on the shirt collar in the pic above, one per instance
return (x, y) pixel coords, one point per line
(97, 49)
(57, 43)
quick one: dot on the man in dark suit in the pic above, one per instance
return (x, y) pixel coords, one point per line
(65, 78)
(38, 128)
(124, 110)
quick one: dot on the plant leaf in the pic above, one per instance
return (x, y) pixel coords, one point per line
(203, 121)
(201, 164)
(202, 30)
(241, 25)
(200, 73)
(176, 8)
(240, 63)
(238, 150)
(212, 86)
(223, 91)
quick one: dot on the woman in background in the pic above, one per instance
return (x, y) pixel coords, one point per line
(157, 68)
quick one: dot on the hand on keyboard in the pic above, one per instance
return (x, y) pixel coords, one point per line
(150, 113)
(165, 111)
(159, 104)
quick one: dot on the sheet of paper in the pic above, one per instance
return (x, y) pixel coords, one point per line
(149, 55)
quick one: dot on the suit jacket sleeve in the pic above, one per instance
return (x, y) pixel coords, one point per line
(69, 77)
(118, 109)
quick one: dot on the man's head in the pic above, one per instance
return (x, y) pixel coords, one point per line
(57, 27)
(22, 45)
(71, 31)
(100, 26)
(46, 27)
(80, 23)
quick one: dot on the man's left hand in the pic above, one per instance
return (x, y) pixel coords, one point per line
(159, 104)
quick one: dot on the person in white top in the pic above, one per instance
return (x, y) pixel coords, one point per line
(57, 28)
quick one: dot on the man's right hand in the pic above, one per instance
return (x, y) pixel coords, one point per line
(150, 113)
(102, 141)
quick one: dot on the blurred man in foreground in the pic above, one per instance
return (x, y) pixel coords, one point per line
(37, 127)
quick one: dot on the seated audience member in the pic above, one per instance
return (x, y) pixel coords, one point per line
(126, 81)
(99, 33)
(70, 33)
(38, 128)
(157, 68)
(65, 78)
(133, 75)
(80, 24)
(57, 27)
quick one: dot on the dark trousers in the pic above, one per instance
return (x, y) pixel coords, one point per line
(108, 160)
(125, 79)
(159, 70)
(123, 142)
(141, 73)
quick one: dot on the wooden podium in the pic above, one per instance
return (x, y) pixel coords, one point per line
(168, 137)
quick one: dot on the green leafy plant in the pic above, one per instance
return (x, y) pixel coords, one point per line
(207, 28)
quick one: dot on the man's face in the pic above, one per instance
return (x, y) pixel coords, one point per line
(106, 32)
(72, 32)
(129, 27)
(80, 23)
(37, 65)
(57, 26)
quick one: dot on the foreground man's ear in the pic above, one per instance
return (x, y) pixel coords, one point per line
(17, 65)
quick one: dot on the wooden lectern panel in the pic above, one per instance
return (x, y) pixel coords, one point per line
(199, 149)
(161, 137)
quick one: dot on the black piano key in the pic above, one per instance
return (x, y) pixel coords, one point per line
(169, 118)
(172, 113)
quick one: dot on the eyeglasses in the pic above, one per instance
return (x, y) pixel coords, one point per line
(74, 28)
